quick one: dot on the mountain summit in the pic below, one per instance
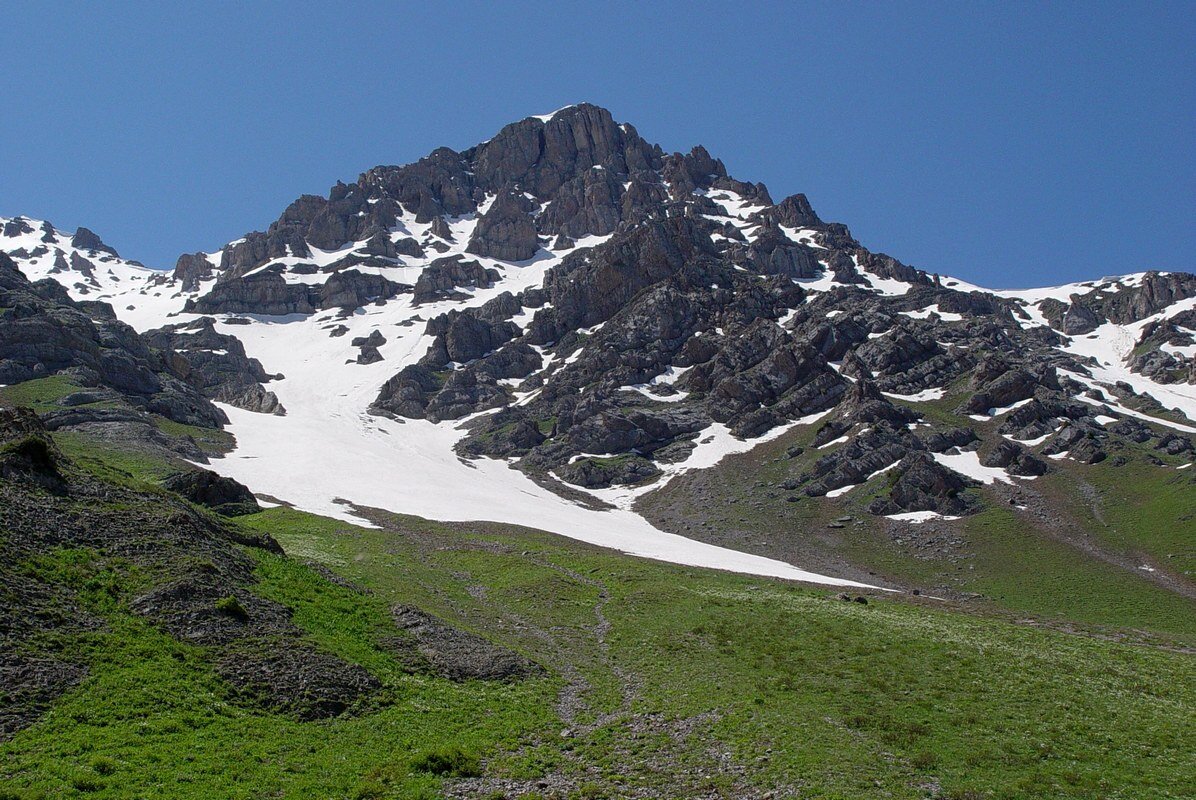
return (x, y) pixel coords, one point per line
(553, 326)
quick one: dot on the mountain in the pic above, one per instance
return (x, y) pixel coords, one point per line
(399, 392)
(550, 326)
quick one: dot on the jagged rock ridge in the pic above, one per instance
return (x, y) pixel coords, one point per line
(603, 310)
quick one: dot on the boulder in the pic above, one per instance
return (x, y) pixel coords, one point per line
(223, 495)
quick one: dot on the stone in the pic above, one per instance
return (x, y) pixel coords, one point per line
(85, 239)
(223, 495)
(505, 231)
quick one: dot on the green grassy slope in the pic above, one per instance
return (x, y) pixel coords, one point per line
(664, 679)
(1084, 564)
(802, 691)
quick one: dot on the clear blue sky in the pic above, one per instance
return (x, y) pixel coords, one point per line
(1009, 144)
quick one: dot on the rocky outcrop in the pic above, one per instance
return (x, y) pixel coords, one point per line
(600, 473)
(541, 155)
(922, 484)
(262, 292)
(1015, 459)
(794, 211)
(223, 495)
(438, 280)
(350, 289)
(462, 336)
(369, 353)
(998, 385)
(407, 393)
(590, 204)
(216, 365)
(1081, 442)
(505, 231)
(43, 332)
(85, 239)
(191, 268)
(868, 454)
(763, 376)
(863, 404)
(1074, 318)
(772, 252)
(588, 288)
(1155, 292)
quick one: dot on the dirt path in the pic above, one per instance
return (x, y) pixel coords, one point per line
(682, 761)
(572, 705)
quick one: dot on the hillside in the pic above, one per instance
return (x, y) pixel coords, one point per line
(423, 659)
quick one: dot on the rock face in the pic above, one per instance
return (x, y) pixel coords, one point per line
(43, 333)
(216, 365)
(442, 276)
(922, 484)
(87, 240)
(542, 155)
(222, 495)
(505, 231)
(351, 289)
(191, 268)
(263, 292)
(1001, 386)
(1014, 458)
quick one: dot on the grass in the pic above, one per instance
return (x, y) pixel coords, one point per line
(846, 697)
(1143, 509)
(112, 462)
(685, 680)
(153, 719)
(841, 699)
(40, 394)
(211, 440)
(1030, 574)
(1013, 565)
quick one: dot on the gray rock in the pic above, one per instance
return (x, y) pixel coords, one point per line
(505, 231)
(85, 239)
(223, 495)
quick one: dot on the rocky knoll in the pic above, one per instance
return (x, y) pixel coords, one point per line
(195, 580)
(43, 332)
(201, 587)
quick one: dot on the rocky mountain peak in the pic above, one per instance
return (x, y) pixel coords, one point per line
(541, 155)
(603, 315)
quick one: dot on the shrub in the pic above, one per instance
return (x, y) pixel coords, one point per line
(232, 606)
(103, 765)
(452, 761)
